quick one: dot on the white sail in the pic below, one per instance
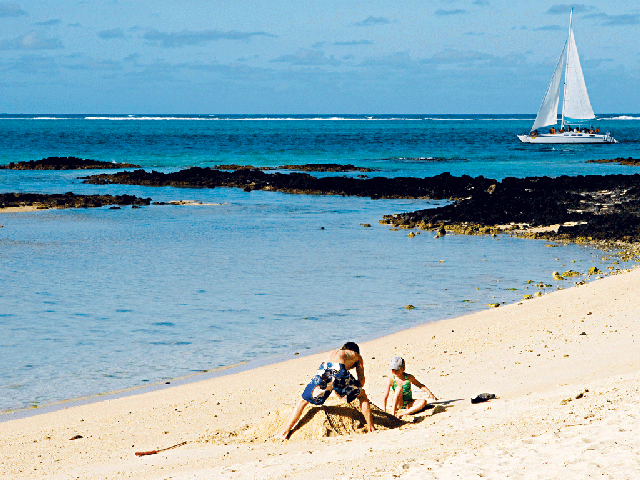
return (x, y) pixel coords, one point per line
(576, 102)
(548, 113)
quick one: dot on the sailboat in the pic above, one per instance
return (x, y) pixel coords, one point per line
(575, 104)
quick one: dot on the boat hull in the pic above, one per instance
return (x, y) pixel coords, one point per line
(569, 137)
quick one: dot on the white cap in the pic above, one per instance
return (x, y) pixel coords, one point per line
(396, 363)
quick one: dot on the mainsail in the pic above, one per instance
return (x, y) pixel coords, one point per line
(576, 102)
(548, 113)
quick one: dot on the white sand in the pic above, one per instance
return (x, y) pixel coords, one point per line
(531, 355)
(24, 208)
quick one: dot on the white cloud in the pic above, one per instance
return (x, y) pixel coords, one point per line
(31, 41)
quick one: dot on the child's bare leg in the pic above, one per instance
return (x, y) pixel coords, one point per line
(398, 401)
(415, 406)
(366, 410)
(293, 419)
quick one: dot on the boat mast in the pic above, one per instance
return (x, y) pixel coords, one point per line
(564, 90)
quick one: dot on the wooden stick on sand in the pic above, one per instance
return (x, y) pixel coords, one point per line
(153, 452)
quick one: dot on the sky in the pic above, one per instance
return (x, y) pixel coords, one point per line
(311, 56)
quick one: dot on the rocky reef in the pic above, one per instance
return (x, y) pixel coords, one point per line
(67, 200)
(583, 209)
(65, 163)
(310, 167)
(635, 162)
(439, 186)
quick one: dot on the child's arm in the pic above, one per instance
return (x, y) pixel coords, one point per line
(386, 395)
(422, 387)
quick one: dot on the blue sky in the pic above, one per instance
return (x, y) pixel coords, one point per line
(329, 56)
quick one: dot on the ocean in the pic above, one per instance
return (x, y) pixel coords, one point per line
(98, 300)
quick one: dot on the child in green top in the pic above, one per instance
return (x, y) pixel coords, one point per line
(403, 397)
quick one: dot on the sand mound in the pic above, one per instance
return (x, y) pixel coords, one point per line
(330, 420)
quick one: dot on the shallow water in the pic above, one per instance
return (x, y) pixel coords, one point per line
(94, 300)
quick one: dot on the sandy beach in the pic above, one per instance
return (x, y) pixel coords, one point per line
(23, 209)
(565, 368)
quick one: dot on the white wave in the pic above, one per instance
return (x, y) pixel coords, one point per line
(291, 119)
(413, 159)
(437, 119)
(450, 119)
(39, 118)
(286, 118)
(621, 117)
(507, 119)
(146, 118)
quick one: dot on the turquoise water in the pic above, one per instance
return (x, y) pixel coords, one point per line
(97, 300)
(398, 145)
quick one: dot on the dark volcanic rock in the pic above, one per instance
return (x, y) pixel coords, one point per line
(322, 167)
(440, 186)
(311, 167)
(622, 161)
(67, 200)
(65, 163)
(233, 166)
(605, 207)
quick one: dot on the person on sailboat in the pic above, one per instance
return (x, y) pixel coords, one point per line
(552, 130)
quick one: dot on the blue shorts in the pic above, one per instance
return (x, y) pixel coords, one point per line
(329, 377)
